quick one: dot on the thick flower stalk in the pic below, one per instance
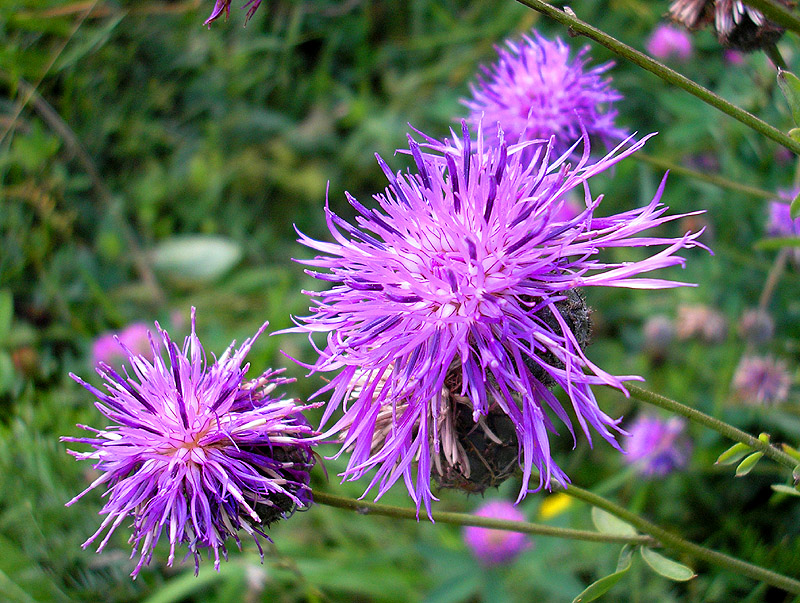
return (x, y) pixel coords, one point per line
(536, 90)
(455, 301)
(195, 452)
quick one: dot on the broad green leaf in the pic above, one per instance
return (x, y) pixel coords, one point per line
(609, 524)
(668, 568)
(784, 489)
(733, 454)
(789, 84)
(6, 313)
(603, 585)
(196, 258)
(746, 466)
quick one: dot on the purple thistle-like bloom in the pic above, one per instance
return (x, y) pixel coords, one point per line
(535, 90)
(656, 447)
(224, 6)
(458, 293)
(195, 451)
(496, 547)
(762, 380)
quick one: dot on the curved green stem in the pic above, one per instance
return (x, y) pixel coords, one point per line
(721, 427)
(662, 71)
(672, 541)
(777, 13)
(464, 519)
(714, 179)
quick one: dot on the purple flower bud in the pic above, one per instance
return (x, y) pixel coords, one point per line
(668, 42)
(496, 547)
(656, 446)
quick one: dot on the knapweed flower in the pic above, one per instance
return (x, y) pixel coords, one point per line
(762, 380)
(657, 446)
(703, 322)
(668, 42)
(455, 308)
(224, 6)
(737, 25)
(108, 347)
(195, 452)
(535, 90)
(756, 326)
(496, 547)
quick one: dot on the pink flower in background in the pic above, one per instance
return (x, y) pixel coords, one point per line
(762, 380)
(496, 547)
(655, 445)
(667, 42)
(109, 348)
(734, 57)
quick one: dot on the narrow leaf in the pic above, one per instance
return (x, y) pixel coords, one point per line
(603, 585)
(6, 313)
(609, 524)
(668, 568)
(784, 489)
(746, 466)
(789, 84)
(774, 243)
(733, 454)
(794, 208)
(793, 452)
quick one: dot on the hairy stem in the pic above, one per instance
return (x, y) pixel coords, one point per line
(665, 73)
(721, 427)
(464, 519)
(676, 543)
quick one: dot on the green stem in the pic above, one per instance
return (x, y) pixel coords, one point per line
(721, 427)
(710, 178)
(662, 71)
(777, 13)
(670, 540)
(464, 519)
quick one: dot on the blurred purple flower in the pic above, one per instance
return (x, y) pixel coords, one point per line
(668, 42)
(535, 91)
(756, 326)
(736, 58)
(108, 348)
(195, 451)
(780, 222)
(224, 6)
(456, 299)
(655, 445)
(762, 380)
(701, 321)
(496, 547)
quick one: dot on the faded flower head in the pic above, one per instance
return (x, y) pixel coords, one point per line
(756, 326)
(762, 380)
(224, 6)
(657, 446)
(737, 25)
(496, 547)
(454, 309)
(702, 322)
(659, 332)
(110, 347)
(535, 90)
(667, 42)
(195, 452)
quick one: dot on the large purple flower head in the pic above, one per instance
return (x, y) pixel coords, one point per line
(535, 90)
(455, 309)
(195, 452)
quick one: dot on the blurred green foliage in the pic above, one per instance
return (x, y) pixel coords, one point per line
(129, 127)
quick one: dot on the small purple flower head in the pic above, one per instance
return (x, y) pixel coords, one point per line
(668, 41)
(656, 446)
(496, 547)
(224, 6)
(780, 223)
(195, 452)
(535, 91)
(454, 306)
(762, 380)
(109, 348)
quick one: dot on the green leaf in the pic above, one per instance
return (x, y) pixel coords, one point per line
(6, 313)
(793, 452)
(777, 242)
(784, 489)
(794, 134)
(603, 585)
(794, 208)
(746, 466)
(789, 84)
(195, 259)
(668, 568)
(609, 524)
(733, 454)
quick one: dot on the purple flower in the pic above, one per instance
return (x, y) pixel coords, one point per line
(762, 380)
(701, 321)
(454, 309)
(224, 6)
(780, 222)
(756, 326)
(195, 452)
(535, 91)
(656, 447)
(496, 547)
(110, 347)
(667, 42)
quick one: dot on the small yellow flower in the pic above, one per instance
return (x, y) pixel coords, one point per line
(553, 505)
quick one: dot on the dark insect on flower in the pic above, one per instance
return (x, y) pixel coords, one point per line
(454, 310)
(224, 6)
(737, 25)
(196, 452)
